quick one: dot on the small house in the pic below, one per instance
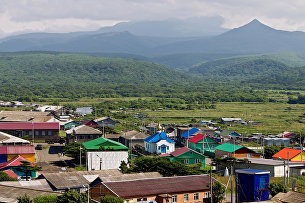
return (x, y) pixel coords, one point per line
(186, 156)
(293, 155)
(14, 163)
(105, 121)
(231, 150)
(159, 143)
(203, 144)
(82, 133)
(89, 123)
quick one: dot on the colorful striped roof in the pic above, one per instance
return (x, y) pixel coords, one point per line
(26, 149)
(190, 132)
(29, 126)
(16, 161)
(104, 142)
(157, 137)
(283, 154)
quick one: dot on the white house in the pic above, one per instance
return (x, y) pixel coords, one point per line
(106, 159)
(159, 143)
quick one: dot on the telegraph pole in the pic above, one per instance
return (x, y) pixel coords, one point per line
(231, 183)
(80, 156)
(211, 185)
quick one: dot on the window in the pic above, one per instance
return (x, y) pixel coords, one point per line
(36, 132)
(81, 137)
(174, 198)
(191, 152)
(249, 155)
(186, 197)
(141, 199)
(196, 196)
(159, 148)
(263, 183)
(197, 161)
(167, 147)
(43, 133)
(186, 161)
(206, 195)
(50, 133)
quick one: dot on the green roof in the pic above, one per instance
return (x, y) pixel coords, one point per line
(228, 147)
(104, 142)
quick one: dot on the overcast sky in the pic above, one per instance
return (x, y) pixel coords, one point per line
(23, 16)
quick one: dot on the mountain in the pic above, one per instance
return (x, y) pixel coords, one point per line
(74, 75)
(252, 38)
(177, 28)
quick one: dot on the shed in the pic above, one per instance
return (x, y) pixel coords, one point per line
(252, 185)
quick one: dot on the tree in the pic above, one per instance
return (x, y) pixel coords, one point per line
(124, 167)
(269, 151)
(111, 199)
(277, 187)
(24, 199)
(5, 177)
(27, 169)
(72, 150)
(72, 196)
(218, 192)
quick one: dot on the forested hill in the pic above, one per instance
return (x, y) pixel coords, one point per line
(74, 75)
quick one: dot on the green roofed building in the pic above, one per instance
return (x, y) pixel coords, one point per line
(230, 150)
(105, 143)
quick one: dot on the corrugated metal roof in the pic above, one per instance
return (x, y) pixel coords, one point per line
(104, 142)
(11, 174)
(190, 132)
(132, 176)
(283, 154)
(157, 137)
(17, 150)
(228, 147)
(7, 139)
(84, 130)
(40, 184)
(155, 186)
(180, 151)
(24, 116)
(29, 126)
(76, 179)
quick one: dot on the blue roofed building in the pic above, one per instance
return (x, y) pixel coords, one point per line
(159, 143)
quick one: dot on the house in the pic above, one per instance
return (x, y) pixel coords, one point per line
(276, 167)
(26, 116)
(153, 127)
(276, 141)
(103, 153)
(159, 143)
(186, 156)
(13, 163)
(182, 189)
(42, 131)
(9, 152)
(89, 123)
(203, 144)
(293, 155)
(231, 150)
(83, 110)
(7, 139)
(234, 135)
(82, 133)
(70, 124)
(105, 121)
(188, 133)
(75, 180)
(132, 138)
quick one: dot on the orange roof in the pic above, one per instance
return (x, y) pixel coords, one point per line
(283, 154)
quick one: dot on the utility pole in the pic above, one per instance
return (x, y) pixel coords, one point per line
(211, 185)
(231, 183)
(288, 170)
(285, 173)
(88, 193)
(80, 156)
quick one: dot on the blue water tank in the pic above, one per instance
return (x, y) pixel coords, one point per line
(252, 185)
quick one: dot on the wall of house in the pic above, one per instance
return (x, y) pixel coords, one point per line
(237, 154)
(30, 157)
(106, 159)
(191, 157)
(170, 149)
(298, 157)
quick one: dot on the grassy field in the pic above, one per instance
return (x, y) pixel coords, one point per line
(276, 117)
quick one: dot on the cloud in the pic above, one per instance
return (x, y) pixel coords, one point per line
(72, 15)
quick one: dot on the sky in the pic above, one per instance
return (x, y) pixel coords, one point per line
(60, 16)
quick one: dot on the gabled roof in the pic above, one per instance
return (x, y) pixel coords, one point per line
(180, 151)
(229, 147)
(157, 137)
(190, 132)
(11, 173)
(155, 186)
(29, 126)
(199, 137)
(84, 130)
(104, 142)
(283, 154)
(8, 139)
(16, 161)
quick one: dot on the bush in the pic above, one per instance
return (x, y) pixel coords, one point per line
(73, 196)
(277, 187)
(111, 199)
(45, 199)
(24, 199)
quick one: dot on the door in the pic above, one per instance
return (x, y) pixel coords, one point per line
(163, 149)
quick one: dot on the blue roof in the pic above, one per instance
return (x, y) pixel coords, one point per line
(252, 171)
(157, 137)
(234, 134)
(190, 132)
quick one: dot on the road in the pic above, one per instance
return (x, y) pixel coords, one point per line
(51, 159)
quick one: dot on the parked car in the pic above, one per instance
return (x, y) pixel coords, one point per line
(25, 178)
(38, 147)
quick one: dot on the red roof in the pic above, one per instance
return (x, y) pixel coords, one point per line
(11, 173)
(29, 126)
(287, 134)
(90, 123)
(283, 154)
(199, 137)
(16, 161)
(180, 151)
(155, 186)
(17, 150)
